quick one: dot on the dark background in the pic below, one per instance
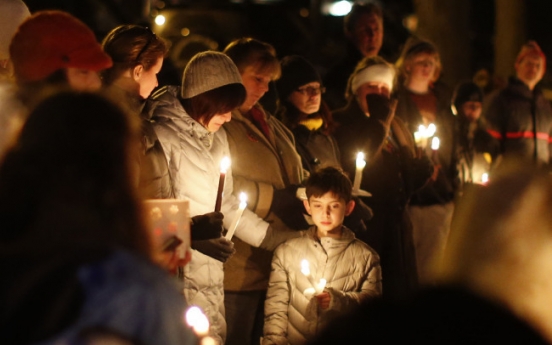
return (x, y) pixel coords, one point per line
(466, 31)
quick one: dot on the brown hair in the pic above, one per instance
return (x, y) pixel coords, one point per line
(329, 179)
(247, 52)
(217, 101)
(358, 10)
(130, 46)
(414, 47)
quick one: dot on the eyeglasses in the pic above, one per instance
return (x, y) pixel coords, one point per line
(311, 91)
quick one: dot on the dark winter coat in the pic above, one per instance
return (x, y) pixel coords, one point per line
(391, 175)
(521, 120)
(442, 190)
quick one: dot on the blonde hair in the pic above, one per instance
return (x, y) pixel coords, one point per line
(413, 48)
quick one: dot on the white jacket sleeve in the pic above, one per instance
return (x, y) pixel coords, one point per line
(277, 303)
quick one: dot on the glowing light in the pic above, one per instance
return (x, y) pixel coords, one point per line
(340, 8)
(197, 320)
(160, 19)
(484, 178)
(305, 269)
(224, 164)
(435, 142)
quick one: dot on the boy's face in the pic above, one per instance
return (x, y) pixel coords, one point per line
(328, 212)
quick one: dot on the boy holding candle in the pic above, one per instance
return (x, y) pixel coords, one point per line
(295, 309)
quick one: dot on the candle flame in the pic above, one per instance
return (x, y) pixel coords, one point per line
(224, 164)
(360, 162)
(430, 130)
(485, 178)
(321, 284)
(305, 269)
(435, 143)
(243, 197)
(197, 320)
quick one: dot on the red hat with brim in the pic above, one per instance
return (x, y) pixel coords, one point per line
(52, 40)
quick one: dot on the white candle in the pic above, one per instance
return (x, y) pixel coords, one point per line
(237, 217)
(305, 269)
(435, 142)
(197, 321)
(224, 165)
(360, 164)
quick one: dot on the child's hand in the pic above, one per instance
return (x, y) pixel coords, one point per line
(324, 299)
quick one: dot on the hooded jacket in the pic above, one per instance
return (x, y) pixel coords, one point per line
(352, 272)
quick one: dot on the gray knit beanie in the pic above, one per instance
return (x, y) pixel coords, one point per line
(207, 71)
(12, 14)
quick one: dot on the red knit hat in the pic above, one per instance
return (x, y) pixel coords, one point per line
(51, 40)
(531, 48)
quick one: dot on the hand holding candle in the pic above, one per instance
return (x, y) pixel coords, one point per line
(237, 217)
(360, 164)
(224, 165)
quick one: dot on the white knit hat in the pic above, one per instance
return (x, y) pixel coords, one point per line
(207, 71)
(12, 14)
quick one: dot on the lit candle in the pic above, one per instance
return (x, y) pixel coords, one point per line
(305, 269)
(224, 165)
(320, 286)
(484, 178)
(430, 130)
(197, 321)
(237, 217)
(435, 144)
(360, 164)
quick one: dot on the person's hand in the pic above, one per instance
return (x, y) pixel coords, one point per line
(381, 108)
(323, 299)
(219, 249)
(206, 226)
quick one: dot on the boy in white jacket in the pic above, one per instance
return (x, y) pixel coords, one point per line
(342, 271)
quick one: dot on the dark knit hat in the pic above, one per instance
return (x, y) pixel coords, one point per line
(51, 40)
(296, 72)
(466, 92)
(207, 71)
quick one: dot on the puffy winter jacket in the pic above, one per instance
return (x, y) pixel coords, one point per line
(194, 154)
(521, 120)
(350, 267)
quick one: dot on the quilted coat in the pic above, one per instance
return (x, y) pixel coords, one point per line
(193, 155)
(350, 267)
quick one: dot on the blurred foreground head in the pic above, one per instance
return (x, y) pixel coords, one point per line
(66, 180)
(501, 243)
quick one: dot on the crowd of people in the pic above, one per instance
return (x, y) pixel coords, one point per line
(382, 205)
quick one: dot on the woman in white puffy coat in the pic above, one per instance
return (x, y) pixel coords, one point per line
(188, 124)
